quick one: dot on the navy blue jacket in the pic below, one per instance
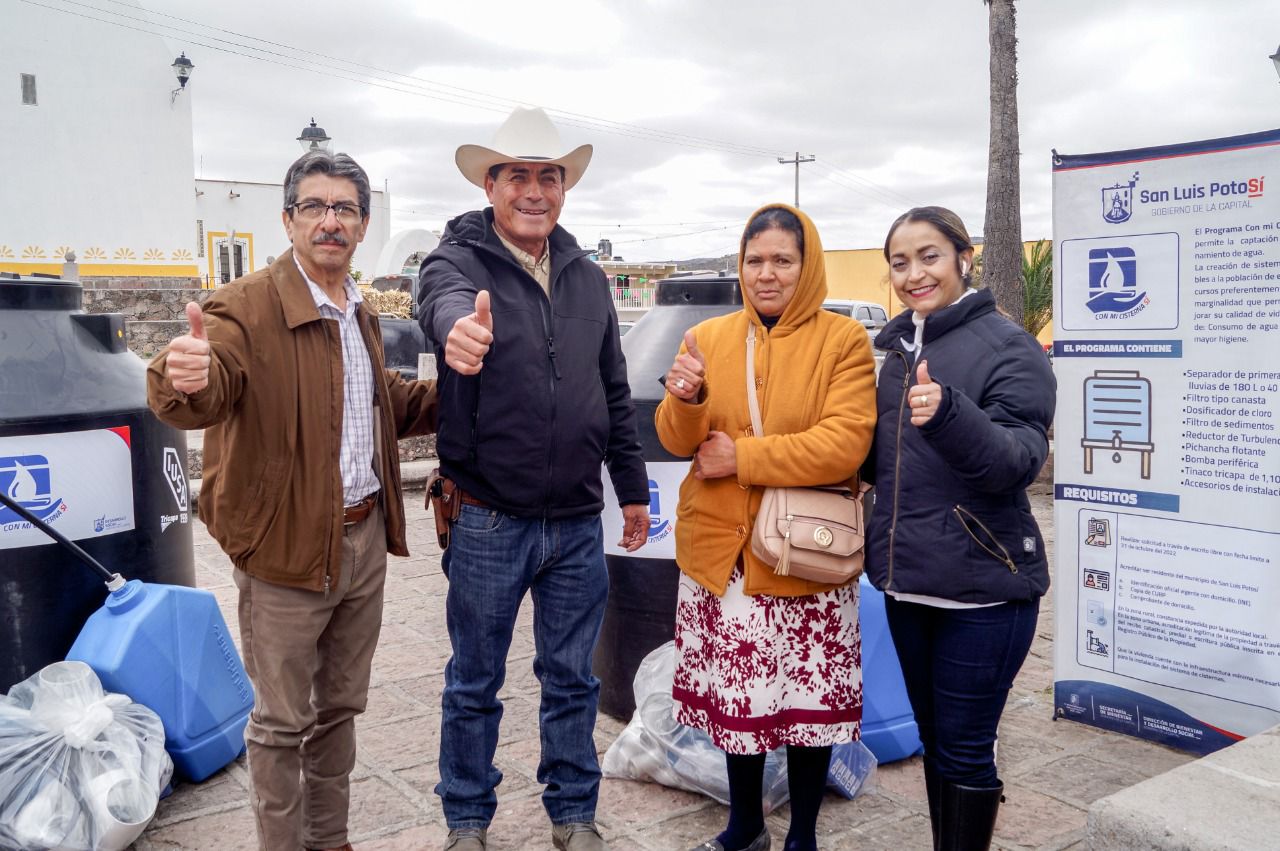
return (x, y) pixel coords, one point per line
(951, 517)
(528, 434)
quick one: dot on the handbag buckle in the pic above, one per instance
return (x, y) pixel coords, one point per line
(823, 537)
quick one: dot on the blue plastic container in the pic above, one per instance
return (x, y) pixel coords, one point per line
(888, 724)
(168, 648)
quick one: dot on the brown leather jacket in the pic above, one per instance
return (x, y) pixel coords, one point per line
(272, 415)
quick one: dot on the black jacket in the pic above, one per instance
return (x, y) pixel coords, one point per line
(528, 434)
(951, 516)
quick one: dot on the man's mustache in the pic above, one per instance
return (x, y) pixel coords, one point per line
(329, 239)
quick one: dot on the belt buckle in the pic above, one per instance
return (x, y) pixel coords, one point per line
(364, 504)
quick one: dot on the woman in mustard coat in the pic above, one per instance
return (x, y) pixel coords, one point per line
(764, 660)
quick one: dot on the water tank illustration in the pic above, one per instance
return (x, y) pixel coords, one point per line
(1117, 416)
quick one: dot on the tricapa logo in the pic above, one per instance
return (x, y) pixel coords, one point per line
(177, 479)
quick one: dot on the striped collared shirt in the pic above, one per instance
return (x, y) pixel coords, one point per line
(539, 268)
(356, 454)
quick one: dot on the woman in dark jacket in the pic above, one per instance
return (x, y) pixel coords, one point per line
(965, 400)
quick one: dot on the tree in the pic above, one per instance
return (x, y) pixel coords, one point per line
(1037, 286)
(1002, 230)
(1035, 280)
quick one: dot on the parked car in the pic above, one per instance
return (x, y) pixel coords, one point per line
(403, 343)
(872, 315)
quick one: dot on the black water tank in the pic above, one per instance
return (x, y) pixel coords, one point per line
(641, 611)
(81, 450)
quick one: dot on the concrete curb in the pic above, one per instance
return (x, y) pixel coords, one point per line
(1226, 800)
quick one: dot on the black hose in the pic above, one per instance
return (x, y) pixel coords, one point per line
(107, 576)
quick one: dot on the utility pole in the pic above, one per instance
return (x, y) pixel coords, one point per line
(799, 159)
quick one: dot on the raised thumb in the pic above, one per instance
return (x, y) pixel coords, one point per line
(922, 373)
(196, 320)
(483, 315)
(691, 346)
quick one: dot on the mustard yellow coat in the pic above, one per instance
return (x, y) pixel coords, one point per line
(815, 382)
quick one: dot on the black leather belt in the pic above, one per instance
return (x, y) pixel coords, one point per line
(353, 514)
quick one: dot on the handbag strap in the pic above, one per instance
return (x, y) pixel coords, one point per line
(753, 403)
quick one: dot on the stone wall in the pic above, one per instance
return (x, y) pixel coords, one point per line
(143, 304)
(153, 315)
(134, 283)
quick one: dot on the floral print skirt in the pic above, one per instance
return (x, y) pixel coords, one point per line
(758, 672)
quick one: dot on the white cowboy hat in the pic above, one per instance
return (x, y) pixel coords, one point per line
(526, 136)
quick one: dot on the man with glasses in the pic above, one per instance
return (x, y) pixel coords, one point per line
(283, 369)
(534, 397)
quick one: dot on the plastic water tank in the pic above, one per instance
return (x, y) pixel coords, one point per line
(641, 611)
(80, 449)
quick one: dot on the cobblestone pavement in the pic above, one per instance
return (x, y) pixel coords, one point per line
(1052, 770)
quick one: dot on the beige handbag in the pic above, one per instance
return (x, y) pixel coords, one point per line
(813, 533)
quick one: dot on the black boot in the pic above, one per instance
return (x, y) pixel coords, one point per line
(968, 817)
(933, 788)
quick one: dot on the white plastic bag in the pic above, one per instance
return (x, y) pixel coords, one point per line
(80, 770)
(654, 747)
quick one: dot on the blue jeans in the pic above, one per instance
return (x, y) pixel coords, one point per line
(492, 560)
(959, 665)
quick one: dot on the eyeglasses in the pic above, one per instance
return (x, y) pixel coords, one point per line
(314, 211)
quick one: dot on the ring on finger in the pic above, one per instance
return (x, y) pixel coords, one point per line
(680, 384)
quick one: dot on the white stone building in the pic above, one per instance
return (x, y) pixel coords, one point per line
(96, 136)
(248, 215)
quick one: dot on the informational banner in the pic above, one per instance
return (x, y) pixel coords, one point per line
(1167, 440)
(664, 493)
(78, 482)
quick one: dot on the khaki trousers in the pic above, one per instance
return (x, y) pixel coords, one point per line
(309, 658)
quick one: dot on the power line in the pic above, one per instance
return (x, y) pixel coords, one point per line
(871, 195)
(669, 236)
(420, 87)
(880, 188)
(408, 84)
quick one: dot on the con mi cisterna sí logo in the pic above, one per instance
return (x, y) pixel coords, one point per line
(1113, 283)
(659, 527)
(26, 480)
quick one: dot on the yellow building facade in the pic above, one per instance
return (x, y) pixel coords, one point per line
(863, 274)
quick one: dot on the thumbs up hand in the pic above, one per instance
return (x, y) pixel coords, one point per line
(484, 316)
(188, 362)
(925, 397)
(686, 376)
(469, 339)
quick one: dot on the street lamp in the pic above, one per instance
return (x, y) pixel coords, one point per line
(182, 68)
(314, 138)
(1275, 57)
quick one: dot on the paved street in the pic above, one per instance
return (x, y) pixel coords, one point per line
(1053, 770)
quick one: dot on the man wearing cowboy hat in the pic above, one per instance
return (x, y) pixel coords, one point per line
(533, 395)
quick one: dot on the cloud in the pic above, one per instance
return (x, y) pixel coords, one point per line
(892, 99)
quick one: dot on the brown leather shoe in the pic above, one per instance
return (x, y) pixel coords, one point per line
(467, 839)
(346, 847)
(577, 836)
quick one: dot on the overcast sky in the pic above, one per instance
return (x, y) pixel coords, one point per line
(891, 97)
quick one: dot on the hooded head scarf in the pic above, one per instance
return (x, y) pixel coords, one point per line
(811, 290)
